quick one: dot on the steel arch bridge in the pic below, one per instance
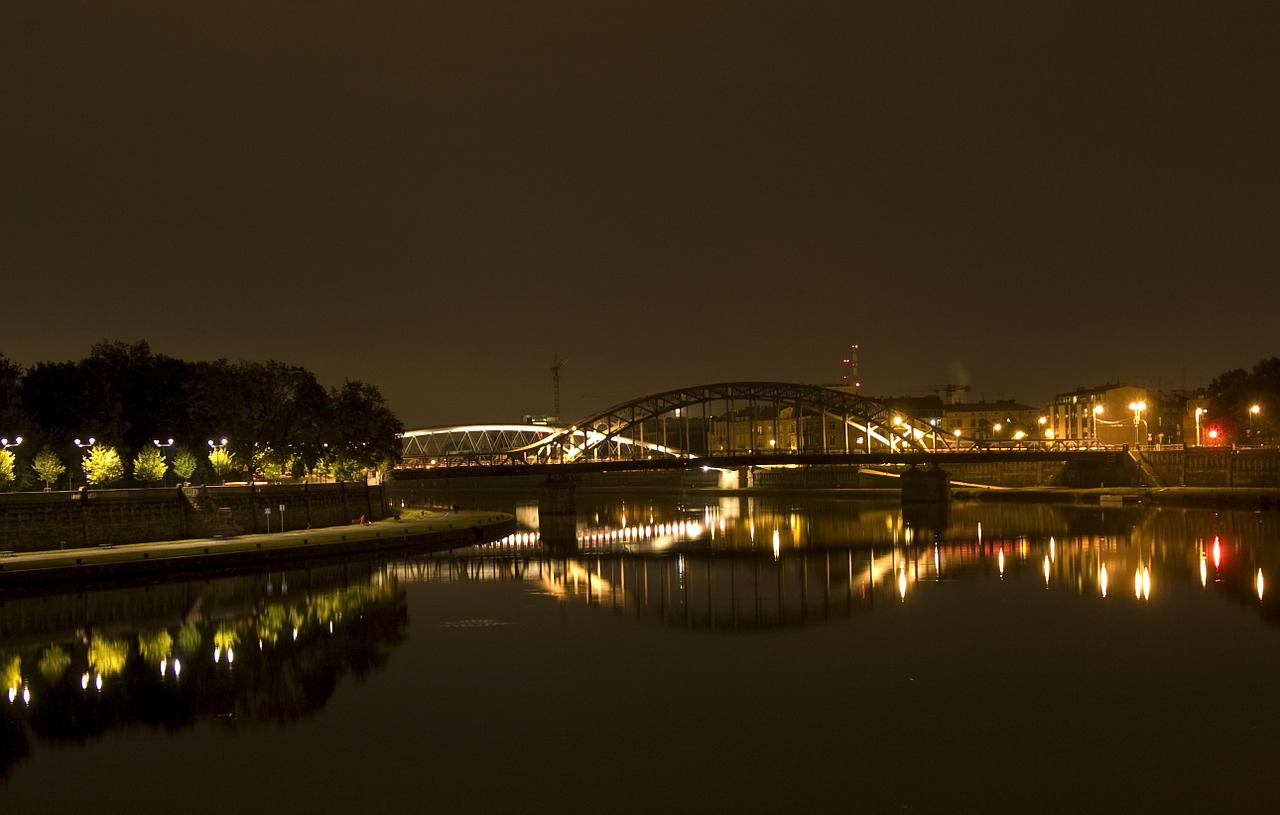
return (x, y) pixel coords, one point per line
(723, 420)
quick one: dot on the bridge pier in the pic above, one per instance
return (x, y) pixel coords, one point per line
(558, 514)
(930, 485)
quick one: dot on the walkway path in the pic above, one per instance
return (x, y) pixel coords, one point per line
(443, 529)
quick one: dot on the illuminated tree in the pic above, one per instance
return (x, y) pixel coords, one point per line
(347, 469)
(102, 465)
(49, 468)
(323, 469)
(6, 470)
(149, 466)
(278, 468)
(185, 463)
(222, 462)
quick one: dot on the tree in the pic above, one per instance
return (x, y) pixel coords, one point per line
(49, 468)
(347, 469)
(222, 462)
(185, 463)
(12, 419)
(361, 427)
(149, 465)
(6, 470)
(1233, 394)
(102, 465)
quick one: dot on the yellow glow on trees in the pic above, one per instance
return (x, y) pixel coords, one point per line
(102, 465)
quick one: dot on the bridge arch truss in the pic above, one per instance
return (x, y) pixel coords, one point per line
(740, 418)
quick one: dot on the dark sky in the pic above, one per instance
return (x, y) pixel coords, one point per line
(439, 197)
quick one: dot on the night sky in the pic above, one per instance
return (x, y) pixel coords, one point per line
(439, 197)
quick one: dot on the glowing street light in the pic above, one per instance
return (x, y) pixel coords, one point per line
(1254, 410)
(1097, 411)
(83, 445)
(163, 445)
(1137, 408)
(1199, 412)
(7, 444)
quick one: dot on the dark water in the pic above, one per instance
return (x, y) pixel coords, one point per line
(791, 653)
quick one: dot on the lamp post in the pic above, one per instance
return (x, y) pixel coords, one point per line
(218, 445)
(163, 445)
(1254, 410)
(1137, 408)
(1199, 412)
(1097, 411)
(85, 445)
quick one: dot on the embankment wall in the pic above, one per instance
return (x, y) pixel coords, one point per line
(34, 521)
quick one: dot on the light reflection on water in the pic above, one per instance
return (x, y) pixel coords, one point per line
(965, 640)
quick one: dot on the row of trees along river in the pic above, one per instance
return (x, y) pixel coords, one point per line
(149, 415)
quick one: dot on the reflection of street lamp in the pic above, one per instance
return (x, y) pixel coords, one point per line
(1199, 412)
(1137, 408)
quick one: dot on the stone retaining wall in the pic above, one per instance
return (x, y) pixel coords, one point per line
(1216, 467)
(33, 521)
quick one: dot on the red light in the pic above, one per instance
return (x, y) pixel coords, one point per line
(1213, 432)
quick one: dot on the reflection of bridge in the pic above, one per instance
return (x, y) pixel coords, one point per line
(725, 424)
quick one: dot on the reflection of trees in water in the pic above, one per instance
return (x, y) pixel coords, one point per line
(279, 660)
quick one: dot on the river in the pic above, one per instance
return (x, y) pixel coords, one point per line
(667, 651)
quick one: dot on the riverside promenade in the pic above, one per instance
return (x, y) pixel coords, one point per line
(442, 529)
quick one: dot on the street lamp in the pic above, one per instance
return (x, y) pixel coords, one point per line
(7, 444)
(1199, 412)
(1137, 408)
(1097, 411)
(1254, 410)
(163, 445)
(83, 445)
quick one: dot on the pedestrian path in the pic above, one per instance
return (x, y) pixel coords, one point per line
(443, 527)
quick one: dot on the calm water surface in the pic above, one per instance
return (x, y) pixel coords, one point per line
(667, 652)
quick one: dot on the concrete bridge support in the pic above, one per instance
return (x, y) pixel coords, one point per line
(928, 485)
(558, 515)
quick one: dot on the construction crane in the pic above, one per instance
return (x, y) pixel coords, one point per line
(556, 364)
(951, 392)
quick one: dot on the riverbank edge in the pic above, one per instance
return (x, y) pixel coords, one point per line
(442, 530)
